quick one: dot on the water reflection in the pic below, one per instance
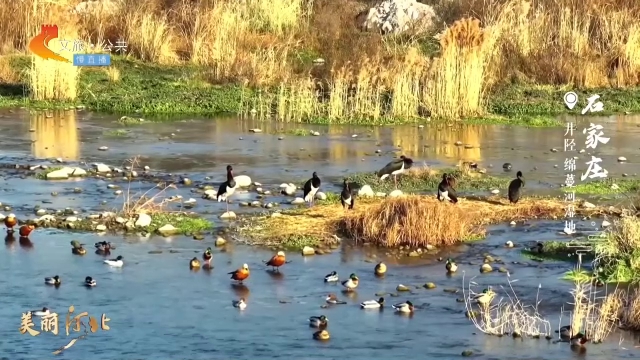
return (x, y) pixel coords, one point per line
(55, 135)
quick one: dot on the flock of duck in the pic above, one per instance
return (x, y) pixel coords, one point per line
(446, 192)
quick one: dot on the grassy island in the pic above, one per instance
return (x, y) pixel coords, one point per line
(507, 61)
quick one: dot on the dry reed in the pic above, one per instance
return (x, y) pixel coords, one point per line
(507, 315)
(593, 315)
(409, 220)
(630, 310)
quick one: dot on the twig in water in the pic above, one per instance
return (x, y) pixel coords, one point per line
(71, 343)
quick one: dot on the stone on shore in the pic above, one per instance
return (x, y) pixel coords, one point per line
(308, 251)
(228, 215)
(167, 230)
(143, 220)
(366, 191)
(242, 181)
(397, 16)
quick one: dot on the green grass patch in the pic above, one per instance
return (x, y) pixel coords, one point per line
(298, 242)
(42, 175)
(184, 89)
(578, 275)
(116, 133)
(606, 186)
(558, 251)
(185, 224)
(428, 181)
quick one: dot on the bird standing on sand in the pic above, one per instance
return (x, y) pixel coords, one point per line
(227, 188)
(514, 188)
(241, 274)
(446, 189)
(10, 221)
(311, 187)
(346, 198)
(277, 260)
(395, 168)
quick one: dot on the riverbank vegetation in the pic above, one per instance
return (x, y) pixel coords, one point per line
(305, 60)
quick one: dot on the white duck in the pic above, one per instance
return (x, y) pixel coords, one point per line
(53, 280)
(351, 283)
(45, 311)
(372, 304)
(240, 304)
(117, 262)
(405, 307)
(331, 277)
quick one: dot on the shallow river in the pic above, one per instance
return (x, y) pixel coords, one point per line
(160, 309)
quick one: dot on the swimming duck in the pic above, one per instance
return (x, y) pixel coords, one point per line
(89, 282)
(77, 248)
(333, 300)
(451, 266)
(194, 263)
(578, 340)
(25, 230)
(240, 274)
(331, 277)
(103, 248)
(117, 262)
(565, 331)
(240, 304)
(322, 335)
(277, 260)
(380, 269)
(53, 280)
(318, 321)
(10, 221)
(485, 297)
(405, 307)
(539, 248)
(514, 188)
(207, 256)
(42, 312)
(351, 283)
(372, 304)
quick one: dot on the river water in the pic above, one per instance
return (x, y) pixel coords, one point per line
(160, 309)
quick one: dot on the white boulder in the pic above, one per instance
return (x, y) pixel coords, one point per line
(397, 16)
(242, 180)
(366, 191)
(143, 220)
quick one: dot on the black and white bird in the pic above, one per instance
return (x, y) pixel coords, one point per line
(311, 187)
(346, 197)
(395, 168)
(227, 188)
(514, 188)
(446, 189)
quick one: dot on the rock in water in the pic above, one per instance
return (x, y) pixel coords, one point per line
(397, 16)
(242, 180)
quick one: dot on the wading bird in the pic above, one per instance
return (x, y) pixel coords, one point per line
(395, 168)
(207, 256)
(514, 188)
(241, 274)
(276, 261)
(351, 283)
(446, 189)
(25, 230)
(311, 187)
(346, 198)
(10, 221)
(227, 188)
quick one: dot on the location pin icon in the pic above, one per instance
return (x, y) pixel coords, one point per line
(570, 99)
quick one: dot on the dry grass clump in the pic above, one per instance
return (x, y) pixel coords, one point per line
(508, 315)
(408, 220)
(630, 310)
(619, 251)
(593, 315)
(419, 220)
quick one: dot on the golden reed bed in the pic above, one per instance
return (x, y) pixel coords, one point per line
(411, 220)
